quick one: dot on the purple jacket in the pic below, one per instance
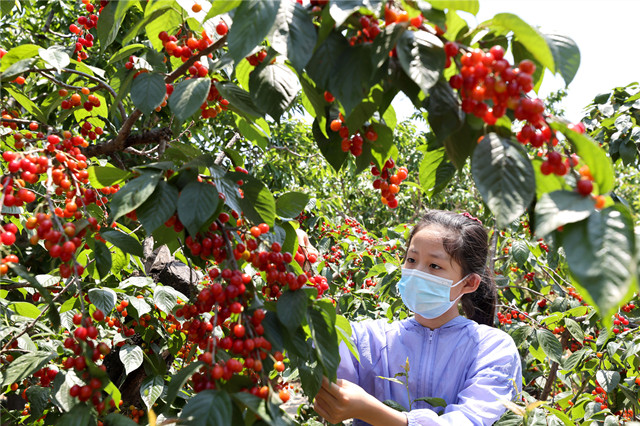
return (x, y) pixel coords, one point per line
(472, 367)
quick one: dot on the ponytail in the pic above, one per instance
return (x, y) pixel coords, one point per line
(480, 306)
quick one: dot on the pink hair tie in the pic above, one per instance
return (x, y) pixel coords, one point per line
(468, 215)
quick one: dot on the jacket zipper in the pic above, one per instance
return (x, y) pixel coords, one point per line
(430, 361)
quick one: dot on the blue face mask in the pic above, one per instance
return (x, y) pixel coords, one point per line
(426, 294)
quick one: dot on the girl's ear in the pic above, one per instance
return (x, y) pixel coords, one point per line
(472, 283)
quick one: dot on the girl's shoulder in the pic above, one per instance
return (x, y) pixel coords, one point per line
(459, 329)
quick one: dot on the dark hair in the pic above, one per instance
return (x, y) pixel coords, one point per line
(467, 244)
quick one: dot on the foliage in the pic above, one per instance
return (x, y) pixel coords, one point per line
(155, 170)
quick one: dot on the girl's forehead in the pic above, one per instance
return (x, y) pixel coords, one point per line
(434, 234)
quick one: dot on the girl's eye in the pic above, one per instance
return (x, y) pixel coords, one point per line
(411, 260)
(434, 266)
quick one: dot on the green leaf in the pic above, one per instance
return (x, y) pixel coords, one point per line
(566, 55)
(293, 34)
(434, 402)
(608, 379)
(123, 241)
(239, 100)
(422, 57)
(148, 91)
(325, 338)
(383, 146)
(274, 87)
(197, 203)
(592, 154)
(103, 299)
(520, 251)
(435, 171)
(136, 282)
(550, 344)
(444, 113)
(573, 360)
(18, 53)
(159, 207)
(220, 7)
(290, 204)
(252, 21)
(529, 37)
(350, 78)
(395, 405)
(53, 313)
(365, 110)
(148, 19)
(166, 298)
(601, 254)
(251, 132)
(187, 97)
(384, 43)
(310, 377)
(471, 6)
(312, 99)
(151, 389)
(325, 58)
(179, 379)
(38, 398)
(56, 56)
(171, 20)
(110, 20)
(140, 305)
(504, 176)
(208, 408)
(330, 147)
(103, 258)
(520, 334)
(547, 183)
(26, 103)
(257, 203)
(340, 10)
(558, 208)
(25, 309)
(290, 243)
(131, 357)
(80, 415)
(108, 175)
(5, 9)
(255, 404)
(125, 52)
(461, 144)
(291, 308)
(560, 415)
(134, 193)
(115, 419)
(81, 115)
(575, 329)
(24, 366)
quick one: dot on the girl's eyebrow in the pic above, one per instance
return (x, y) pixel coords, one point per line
(435, 254)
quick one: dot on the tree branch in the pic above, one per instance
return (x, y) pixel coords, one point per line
(235, 138)
(154, 136)
(123, 139)
(15, 337)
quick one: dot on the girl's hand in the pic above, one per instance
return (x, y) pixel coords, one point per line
(343, 400)
(339, 401)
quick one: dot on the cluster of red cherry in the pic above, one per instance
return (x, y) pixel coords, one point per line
(85, 23)
(389, 183)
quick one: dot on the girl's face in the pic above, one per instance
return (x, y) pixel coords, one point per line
(426, 253)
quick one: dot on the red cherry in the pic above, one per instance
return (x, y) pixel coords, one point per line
(222, 28)
(585, 186)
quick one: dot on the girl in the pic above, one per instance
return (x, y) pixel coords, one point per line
(465, 361)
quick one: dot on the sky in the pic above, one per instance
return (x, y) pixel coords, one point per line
(606, 33)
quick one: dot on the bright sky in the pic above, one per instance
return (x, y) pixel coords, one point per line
(606, 33)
